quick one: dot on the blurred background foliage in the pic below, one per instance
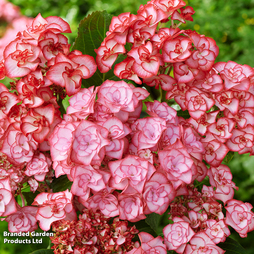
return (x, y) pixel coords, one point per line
(230, 23)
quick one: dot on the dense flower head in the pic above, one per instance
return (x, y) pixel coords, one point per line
(93, 233)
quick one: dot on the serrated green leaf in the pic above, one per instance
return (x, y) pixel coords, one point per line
(91, 33)
(42, 251)
(231, 246)
(61, 183)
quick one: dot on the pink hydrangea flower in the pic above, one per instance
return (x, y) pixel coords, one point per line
(117, 95)
(82, 103)
(221, 178)
(226, 99)
(169, 7)
(51, 44)
(7, 100)
(124, 70)
(132, 171)
(201, 243)
(52, 23)
(170, 136)
(158, 193)
(33, 184)
(240, 217)
(86, 178)
(28, 87)
(131, 206)
(177, 163)
(107, 54)
(217, 230)
(146, 62)
(61, 140)
(106, 202)
(235, 75)
(23, 220)
(7, 200)
(147, 132)
(198, 102)
(117, 132)
(162, 110)
(149, 245)
(68, 71)
(88, 141)
(38, 167)
(203, 58)
(191, 141)
(164, 81)
(54, 207)
(177, 235)
(176, 50)
(18, 147)
(37, 122)
(241, 140)
(222, 129)
(20, 58)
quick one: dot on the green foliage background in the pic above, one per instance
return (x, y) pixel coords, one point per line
(229, 22)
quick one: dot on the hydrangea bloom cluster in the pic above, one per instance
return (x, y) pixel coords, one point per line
(93, 233)
(120, 163)
(29, 112)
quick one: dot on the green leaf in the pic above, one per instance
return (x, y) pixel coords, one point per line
(154, 93)
(43, 251)
(142, 226)
(229, 157)
(91, 33)
(30, 196)
(61, 183)
(153, 220)
(231, 246)
(199, 185)
(66, 102)
(185, 114)
(62, 109)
